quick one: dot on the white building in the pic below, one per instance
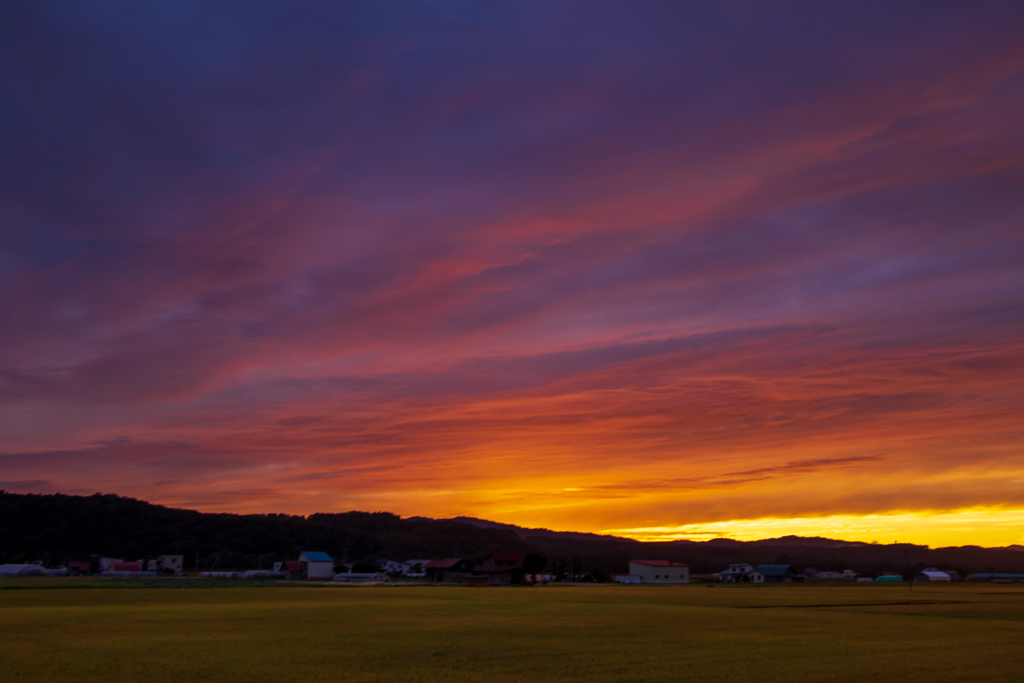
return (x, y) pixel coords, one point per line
(165, 564)
(659, 571)
(22, 570)
(393, 567)
(932, 574)
(417, 568)
(106, 563)
(740, 573)
(317, 565)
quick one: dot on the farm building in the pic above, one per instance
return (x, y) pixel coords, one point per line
(392, 566)
(501, 569)
(417, 567)
(740, 573)
(22, 570)
(317, 565)
(889, 578)
(169, 564)
(997, 578)
(448, 570)
(106, 562)
(845, 575)
(659, 571)
(777, 573)
(932, 574)
(289, 569)
(361, 576)
(126, 569)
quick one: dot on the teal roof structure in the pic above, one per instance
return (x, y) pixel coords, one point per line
(317, 556)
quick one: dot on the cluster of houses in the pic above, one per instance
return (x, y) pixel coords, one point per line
(785, 573)
(165, 565)
(500, 569)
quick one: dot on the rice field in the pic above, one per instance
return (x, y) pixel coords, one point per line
(87, 630)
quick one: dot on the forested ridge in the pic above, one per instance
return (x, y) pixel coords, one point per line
(57, 528)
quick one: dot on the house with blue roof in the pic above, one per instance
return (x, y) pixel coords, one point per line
(316, 565)
(777, 573)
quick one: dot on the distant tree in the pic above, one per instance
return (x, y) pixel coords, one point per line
(534, 563)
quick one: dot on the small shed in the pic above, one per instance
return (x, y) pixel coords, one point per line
(932, 574)
(317, 565)
(660, 571)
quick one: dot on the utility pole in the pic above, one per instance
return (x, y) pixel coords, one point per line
(906, 561)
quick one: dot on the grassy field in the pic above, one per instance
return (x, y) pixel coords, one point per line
(462, 635)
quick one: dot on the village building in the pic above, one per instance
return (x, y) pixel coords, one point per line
(168, 564)
(777, 573)
(448, 570)
(659, 571)
(361, 576)
(932, 574)
(22, 570)
(845, 575)
(105, 563)
(889, 578)
(996, 577)
(392, 566)
(417, 568)
(501, 569)
(289, 569)
(740, 573)
(316, 565)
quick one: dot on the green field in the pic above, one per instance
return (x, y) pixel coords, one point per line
(789, 633)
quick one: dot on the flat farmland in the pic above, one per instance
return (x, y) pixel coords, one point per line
(82, 631)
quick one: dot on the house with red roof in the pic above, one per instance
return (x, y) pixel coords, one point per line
(448, 570)
(501, 569)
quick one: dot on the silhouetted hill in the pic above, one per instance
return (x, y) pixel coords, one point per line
(527, 532)
(57, 528)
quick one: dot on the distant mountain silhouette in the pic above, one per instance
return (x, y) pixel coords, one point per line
(528, 532)
(57, 528)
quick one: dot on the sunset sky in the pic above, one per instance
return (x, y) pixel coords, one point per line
(659, 269)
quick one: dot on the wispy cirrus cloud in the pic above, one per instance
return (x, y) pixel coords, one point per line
(555, 264)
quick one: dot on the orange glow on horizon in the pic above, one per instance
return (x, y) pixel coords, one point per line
(983, 527)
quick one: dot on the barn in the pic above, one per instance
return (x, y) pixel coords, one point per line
(659, 571)
(777, 573)
(501, 569)
(448, 570)
(932, 574)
